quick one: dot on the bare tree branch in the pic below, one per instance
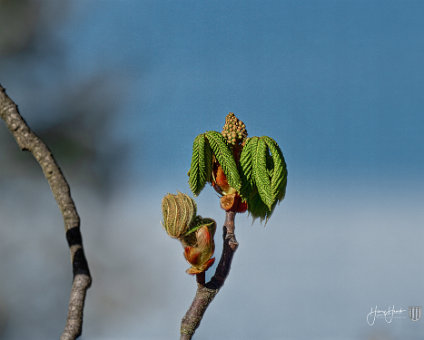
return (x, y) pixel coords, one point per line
(207, 291)
(28, 141)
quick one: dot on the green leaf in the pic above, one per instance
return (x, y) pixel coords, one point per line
(189, 238)
(225, 158)
(246, 157)
(260, 173)
(264, 176)
(208, 161)
(246, 166)
(279, 173)
(200, 224)
(201, 164)
(256, 207)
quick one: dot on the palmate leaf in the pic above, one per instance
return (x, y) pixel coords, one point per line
(264, 175)
(260, 173)
(246, 166)
(246, 158)
(256, 207)
(279, 173)
(225, 158)
(201, 164)
(207, 162)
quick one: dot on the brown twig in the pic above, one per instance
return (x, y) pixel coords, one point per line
(28, 141)
(207, 291)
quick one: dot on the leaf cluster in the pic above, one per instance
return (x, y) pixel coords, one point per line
(204, 146)
(264, 175)
(260, 175)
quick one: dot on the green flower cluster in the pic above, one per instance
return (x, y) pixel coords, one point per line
(234, 129)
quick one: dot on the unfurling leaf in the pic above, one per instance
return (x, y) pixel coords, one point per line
(199, 246)
(260, 173)
(246, 165)
(264, 175)
(201, 164)
(257, 208)
(279, 173)
(225, 158)
(179, 212)
(252, 169)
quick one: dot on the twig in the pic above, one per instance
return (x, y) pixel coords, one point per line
(28, 141)
(207, 291)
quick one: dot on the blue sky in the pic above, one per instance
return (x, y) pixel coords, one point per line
(337, 83)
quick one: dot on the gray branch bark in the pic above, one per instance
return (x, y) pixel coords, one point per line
(28, 141)
(207, 291)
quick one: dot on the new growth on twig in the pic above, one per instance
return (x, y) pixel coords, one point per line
(243, 170)
(194, 232)
(249, 174)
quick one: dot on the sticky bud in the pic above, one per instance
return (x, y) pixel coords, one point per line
(221, 179)
(228, 202)
(233, 202)
(199, 247)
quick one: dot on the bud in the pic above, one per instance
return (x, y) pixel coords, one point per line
(199, 246)
(233, 202)
(179, 212)
(242, 206)
(221, 179)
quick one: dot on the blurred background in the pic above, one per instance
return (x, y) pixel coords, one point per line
(119, 89)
